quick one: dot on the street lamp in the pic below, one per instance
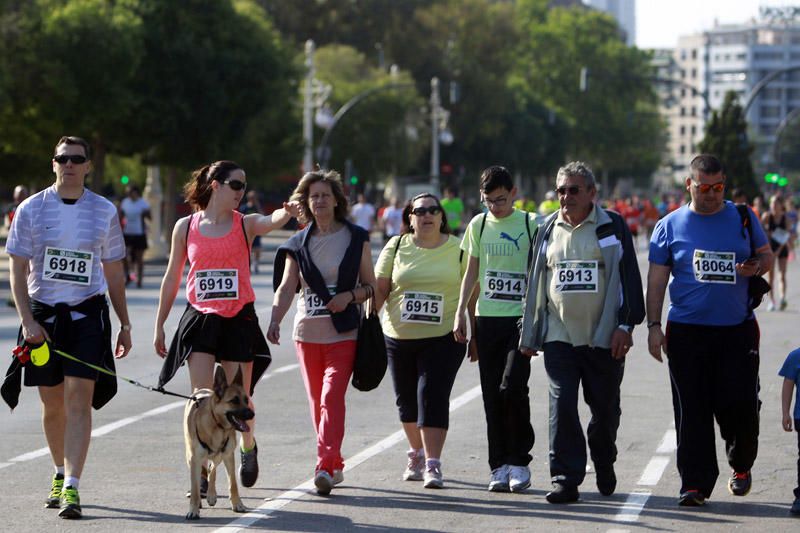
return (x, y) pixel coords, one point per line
(315, 93)
(439, 132)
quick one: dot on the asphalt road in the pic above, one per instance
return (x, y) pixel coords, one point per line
(135, 477)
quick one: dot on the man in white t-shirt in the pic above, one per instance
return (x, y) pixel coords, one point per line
(393, 219)
(135, 210)
(363, 213)
(66, 250)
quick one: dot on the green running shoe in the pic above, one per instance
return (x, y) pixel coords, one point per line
(54, 498)
(70, 503)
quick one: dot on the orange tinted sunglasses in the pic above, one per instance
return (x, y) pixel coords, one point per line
(705, 187)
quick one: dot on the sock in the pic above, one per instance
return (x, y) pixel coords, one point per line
(432, 462)
(72, 481)
(417, 451)
(60, 470)
(245, 450)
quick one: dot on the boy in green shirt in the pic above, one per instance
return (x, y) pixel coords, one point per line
(498, 245)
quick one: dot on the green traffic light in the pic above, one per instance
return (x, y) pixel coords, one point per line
(771, 177)
(783, 181)
(124, 180)
(353, 180)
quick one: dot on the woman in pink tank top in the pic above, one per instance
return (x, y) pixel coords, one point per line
(219, 324)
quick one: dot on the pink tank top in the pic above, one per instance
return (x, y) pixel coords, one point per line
(219, 269)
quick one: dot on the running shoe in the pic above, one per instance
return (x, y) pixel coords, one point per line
(248, 469)
(70, 503)
(770, 306)
(519, 478)
(606, 479)
(563, 493)
(416, 466)
(53, 500)
(338, 476)
(324, 482)
(740, 482)
(499, 481)
(783, 304)
(433, 477)
(691, 498)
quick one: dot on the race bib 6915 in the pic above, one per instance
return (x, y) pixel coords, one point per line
(422, 307)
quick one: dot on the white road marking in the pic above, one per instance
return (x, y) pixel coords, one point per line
(653, 471)
(650, 477)
(113, 426)
(669, 443)
(284, 499)
(633, 506)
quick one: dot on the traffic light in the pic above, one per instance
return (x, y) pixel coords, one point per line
(783, 181)
(771, 177)
(124, 179)
(353, 180)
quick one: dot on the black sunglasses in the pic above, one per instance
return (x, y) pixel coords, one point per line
(63, 158)
(572, 190)
(236, 185)
(420, 211)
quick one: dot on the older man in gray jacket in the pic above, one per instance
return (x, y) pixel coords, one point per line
(584, 297)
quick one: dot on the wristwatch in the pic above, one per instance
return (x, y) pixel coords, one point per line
(125, 327)
(626, 328)
(653, 323)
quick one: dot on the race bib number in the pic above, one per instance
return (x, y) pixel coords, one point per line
(315, 306)
(67, 266)
(422, 308)
(576, 276)
(714, 267)
(500, 285)
(780, 235)
(216, 285)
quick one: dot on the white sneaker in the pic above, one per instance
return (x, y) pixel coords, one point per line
(499, 481)
(433, 477)
(324, 482)
(771, 306)
(415, 467)
(519, 478)
(338, 476)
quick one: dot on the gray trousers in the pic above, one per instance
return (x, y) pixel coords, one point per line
(600, 374)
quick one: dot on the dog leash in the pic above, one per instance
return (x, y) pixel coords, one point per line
(38, 358)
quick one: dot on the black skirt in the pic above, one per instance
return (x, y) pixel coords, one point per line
(238, 338)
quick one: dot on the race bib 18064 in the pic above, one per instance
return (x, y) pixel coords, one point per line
(500, 285)
(67, 266)
(576, 276)
(714, 267)
(422, 307)
(217, 284)
(315, 306)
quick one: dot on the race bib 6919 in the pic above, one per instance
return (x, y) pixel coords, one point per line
(216, 284)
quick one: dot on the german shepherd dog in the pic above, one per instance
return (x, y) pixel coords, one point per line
(211, 421)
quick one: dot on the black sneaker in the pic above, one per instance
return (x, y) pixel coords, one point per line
(248, 469)
(606, 479)
(740, 482)
(691, 498)
(53, 500)
(562, 493)
(795, 506)
(70, 503)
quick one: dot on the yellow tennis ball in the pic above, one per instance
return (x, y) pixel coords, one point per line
(40, 355)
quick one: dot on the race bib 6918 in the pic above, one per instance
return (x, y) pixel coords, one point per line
(714, 267)
(67, 266)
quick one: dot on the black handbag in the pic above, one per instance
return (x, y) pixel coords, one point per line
(370, 364)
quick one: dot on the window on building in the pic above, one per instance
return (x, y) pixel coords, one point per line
(694, 53)
(683, 130)
(682, 149)
(683, 111)
(694, 130)
(694, 73)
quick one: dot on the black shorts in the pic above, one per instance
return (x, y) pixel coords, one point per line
(238, 338)
(137, 242)
(784, 253)
(87, 342)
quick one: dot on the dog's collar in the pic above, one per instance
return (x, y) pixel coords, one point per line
(206, 446)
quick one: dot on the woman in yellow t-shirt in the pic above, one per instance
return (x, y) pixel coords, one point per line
(419, 276)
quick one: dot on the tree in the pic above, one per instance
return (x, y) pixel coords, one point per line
(613, 123)
(68, 70)
(374, 133)
(726, 138)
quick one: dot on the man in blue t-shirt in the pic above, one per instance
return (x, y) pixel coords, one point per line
(790, 371)
(711, 252)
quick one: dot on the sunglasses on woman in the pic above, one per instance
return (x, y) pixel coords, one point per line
(63, 158)
(420, 211)
(236, 185)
